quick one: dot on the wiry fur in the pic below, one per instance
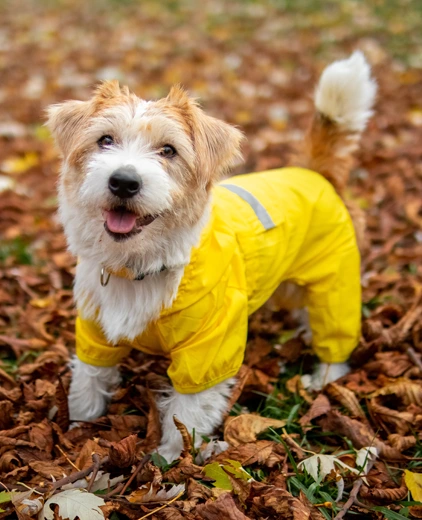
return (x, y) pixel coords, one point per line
(343, 101)
(177, 191)
(91, 388)
(201, 412)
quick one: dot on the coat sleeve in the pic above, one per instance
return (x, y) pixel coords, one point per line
(334, 302)
(206, 340)
(93, 348)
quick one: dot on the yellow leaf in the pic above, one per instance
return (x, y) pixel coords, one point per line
(19, 165)
(414, 484)
(41, 303)
(217, 473)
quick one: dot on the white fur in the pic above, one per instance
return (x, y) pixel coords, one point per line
(346, 92)
(201, 412)
(324, 373)
(90, 390)
(125, 307)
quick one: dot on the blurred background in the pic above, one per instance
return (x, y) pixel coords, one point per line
(255, 65)
(251, 63)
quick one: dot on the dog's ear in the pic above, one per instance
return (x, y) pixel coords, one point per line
(108, 91)
(65, 119)
(217, 144)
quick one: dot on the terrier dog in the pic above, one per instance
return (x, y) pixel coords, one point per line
(172, 262)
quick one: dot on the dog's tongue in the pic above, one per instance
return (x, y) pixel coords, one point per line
(119, 221)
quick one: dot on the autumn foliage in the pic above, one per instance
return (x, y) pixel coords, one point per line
(253, 64)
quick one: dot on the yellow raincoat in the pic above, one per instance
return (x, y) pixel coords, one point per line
(265, 228)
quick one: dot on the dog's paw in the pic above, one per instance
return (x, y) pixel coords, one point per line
(170, 451)
(324, 373)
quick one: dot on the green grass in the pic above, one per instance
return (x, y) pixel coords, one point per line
(18, 249)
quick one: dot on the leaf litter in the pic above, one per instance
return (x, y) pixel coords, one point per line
(252, 64)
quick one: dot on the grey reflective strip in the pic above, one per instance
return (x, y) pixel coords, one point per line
(260, 211)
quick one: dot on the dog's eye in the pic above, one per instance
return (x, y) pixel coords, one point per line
(105, 140)
(167, 151)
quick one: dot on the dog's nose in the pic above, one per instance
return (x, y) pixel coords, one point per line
(125, 182)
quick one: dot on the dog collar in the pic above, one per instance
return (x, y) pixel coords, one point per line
(125, 272)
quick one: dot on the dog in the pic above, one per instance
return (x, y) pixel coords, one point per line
(172, 261)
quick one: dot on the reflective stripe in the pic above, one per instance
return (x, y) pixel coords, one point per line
(260, 211)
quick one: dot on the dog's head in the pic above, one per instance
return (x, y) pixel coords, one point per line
(134, 170)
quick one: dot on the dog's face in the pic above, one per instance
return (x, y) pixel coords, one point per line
(134, 170)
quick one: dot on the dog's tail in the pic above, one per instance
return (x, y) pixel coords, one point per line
(343, 101)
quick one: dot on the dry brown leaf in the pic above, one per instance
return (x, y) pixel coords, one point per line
(186, 437)
(62, 415)
(182, 472)
(241, 379)
(224, 507)
(47, 469)
(384, 495)
(273, 502)
(415, 511)
(153, 433)
(123, 454)
(319, 407)
(315, 513)
(360, 434)
(6, 418)
(402, 443)
(400, 421)
(196, 491)
(84, 459)
(409, 391)
(268, 453)
(9, 461)
(345, 397)
(295, 386)
(246, 427)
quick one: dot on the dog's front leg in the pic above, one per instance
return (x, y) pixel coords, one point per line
(90, 390)
(202, 412)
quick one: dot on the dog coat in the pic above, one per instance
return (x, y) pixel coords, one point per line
(265, 228)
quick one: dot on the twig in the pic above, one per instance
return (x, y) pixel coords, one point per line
(414, 357)
(350, 501)
(97, 461)
(67, 458)
(114, 491)
(163, 506)
(144, 460)
(355, 490)
(73, 477)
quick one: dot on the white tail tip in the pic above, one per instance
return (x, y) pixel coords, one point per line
(346, 92)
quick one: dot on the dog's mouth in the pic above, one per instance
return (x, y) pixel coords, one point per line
(121, 223)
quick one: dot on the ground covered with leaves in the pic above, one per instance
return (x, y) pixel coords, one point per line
(355, 449)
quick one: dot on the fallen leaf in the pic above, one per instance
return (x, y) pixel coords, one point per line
(150, 493)
(74, 503)
(414, 484)
(123, 454)
(319, 407)
(345, 397)
(223, 507)
(245, 427)
(217, 473)
(321, 465)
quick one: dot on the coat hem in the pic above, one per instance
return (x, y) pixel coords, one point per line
(200, 388)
